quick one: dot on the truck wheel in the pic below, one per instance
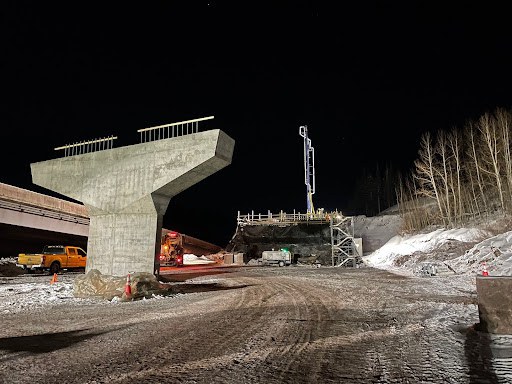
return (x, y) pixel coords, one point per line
(281, 263)
(54, 268)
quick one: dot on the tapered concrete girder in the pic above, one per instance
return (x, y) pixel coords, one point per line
(127, 190)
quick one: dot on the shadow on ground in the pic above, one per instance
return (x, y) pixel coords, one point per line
(184, 275)
(46, 342)
(207, 287)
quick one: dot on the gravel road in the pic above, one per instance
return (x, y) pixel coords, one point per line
(264, 325)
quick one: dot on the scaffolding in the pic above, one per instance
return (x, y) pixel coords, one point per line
(343, 248)
(342, 241)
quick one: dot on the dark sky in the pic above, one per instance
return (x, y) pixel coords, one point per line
(367, 80)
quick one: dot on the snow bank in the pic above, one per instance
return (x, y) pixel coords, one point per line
(495, 252)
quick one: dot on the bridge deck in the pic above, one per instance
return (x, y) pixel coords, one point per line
(12, 194)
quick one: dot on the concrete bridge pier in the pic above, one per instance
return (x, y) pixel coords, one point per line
(130, 237)
(127, 191)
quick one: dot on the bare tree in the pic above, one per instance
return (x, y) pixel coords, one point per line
(442, 170)
(455, 146)
(491, 154)
(503, 120)
(425, 172)
(474, 167)
(464, 174)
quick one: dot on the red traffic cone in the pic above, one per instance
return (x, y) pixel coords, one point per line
(128, 286)
(54, 279)
(484, 270)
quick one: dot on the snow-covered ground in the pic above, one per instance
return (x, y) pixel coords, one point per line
(463, 251)
(190, 259)
(406, 254)
(35, 291)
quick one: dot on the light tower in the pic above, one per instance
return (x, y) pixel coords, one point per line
(309, 169)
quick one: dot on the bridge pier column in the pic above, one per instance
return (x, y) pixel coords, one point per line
(127, 191)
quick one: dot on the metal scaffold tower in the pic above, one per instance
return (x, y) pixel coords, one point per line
(342, 241)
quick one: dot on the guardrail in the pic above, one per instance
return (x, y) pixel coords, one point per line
(168, 131)
(288, 218)
(87, 146)
(159, 132)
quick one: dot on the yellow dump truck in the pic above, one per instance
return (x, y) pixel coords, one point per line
(53, 259)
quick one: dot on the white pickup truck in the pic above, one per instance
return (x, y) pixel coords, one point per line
(282, 257)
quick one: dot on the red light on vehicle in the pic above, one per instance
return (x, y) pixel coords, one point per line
(173, 234)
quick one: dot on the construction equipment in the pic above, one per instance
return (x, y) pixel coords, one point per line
(174, 245)
(171, 254)
(282, 257)
(309, 169)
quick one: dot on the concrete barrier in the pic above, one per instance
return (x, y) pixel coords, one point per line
(495, 303)
(234, 258)
(238, 258)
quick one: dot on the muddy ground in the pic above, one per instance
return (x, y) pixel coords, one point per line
(263, 325)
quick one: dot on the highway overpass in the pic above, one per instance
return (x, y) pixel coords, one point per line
(29, 220)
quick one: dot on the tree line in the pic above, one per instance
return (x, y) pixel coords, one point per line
(460, 174)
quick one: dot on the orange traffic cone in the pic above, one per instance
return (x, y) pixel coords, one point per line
(54, 279)
(484, 270)
(128, 287)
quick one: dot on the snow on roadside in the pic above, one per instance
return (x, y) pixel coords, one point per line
(22, 293)
(494, 252)
(191, 259)
(18, 297)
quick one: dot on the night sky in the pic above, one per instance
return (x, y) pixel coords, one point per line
(367, 80)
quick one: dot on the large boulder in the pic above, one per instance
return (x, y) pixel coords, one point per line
(142, 285)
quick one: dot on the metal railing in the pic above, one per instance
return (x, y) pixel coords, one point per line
(168, 131)
(320, 217)
(87, 146)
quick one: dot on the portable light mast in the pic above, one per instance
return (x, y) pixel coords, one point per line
(309, 169)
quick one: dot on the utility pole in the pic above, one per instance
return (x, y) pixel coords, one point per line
(309, 169)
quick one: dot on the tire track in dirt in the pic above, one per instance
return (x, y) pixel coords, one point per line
(328, 329)
(290, 323)
(277, 325)
(220, 351)
(319, 315)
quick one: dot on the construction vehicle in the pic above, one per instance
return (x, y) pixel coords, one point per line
(53, 258)
(174, 245)
(281, 258)
(171, 253)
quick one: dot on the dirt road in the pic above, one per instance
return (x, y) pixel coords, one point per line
(264, 325)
